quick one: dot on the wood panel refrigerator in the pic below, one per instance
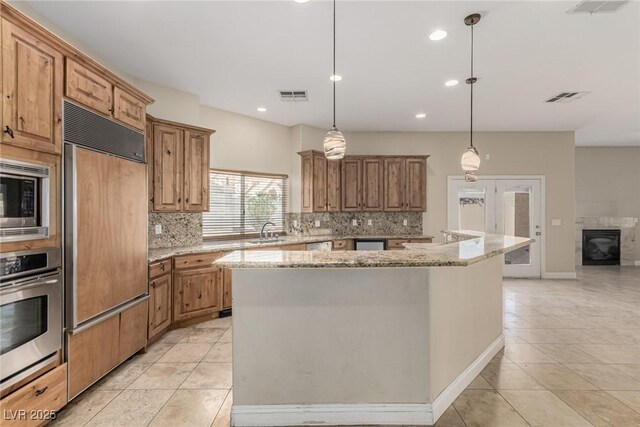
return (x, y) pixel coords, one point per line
(105, 244)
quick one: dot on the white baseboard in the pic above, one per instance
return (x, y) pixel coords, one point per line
(559, 275)
(364, 414)
(453, 390)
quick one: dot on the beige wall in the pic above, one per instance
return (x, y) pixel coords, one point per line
(512, 153)
(608, 183)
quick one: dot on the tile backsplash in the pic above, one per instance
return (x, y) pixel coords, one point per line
(178, 229)
(341, 223)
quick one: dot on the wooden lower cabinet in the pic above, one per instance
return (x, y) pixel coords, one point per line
(159, 304)
(36, 403)
(95, 351)
(398, 244)
(196, 292)
(226, 288)
(343, 245)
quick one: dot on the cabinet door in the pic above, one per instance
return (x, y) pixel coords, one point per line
(167, 168)
(159, 304)
(333, 185)
(32, 76)
(372, 188)
(394, 184)
(416, 185)
(196, 292)
(319, 183)
(148, 155)
(88, 88)
(351, 185)
(307, 183)
(133, 329)
(196, 172)
(128, 109)
(92, 353)
(226, 288)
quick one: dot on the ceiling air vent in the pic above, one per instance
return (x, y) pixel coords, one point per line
(567, 97)
(592, 7)
(293, 95)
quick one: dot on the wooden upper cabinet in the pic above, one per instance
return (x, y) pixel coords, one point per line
(372, 184)
(128, 109)
(168, 146)
(196, 172)
(32, 80)
(333, 185)
(351, 184)
(88, 88)
(416, 184)
(394, 184)
(319, 183)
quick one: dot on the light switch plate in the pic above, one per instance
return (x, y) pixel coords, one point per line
(556, 222)
(369, 222)
(317, 224)
(405, 222)
(295, 222)
(354, 222)
(158, 228)
(487, 156)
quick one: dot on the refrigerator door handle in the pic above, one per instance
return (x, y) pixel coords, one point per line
(70, 234)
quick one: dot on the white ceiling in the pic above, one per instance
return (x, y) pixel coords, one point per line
(236, 54)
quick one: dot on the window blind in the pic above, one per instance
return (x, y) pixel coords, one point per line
(241, 202)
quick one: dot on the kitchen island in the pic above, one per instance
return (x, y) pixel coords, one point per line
(381, 337)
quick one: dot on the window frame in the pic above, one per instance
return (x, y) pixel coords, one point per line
(243, 174)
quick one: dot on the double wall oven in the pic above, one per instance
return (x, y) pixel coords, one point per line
(30, 313)
(24, 201)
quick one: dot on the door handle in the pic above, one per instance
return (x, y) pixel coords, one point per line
(538, 233)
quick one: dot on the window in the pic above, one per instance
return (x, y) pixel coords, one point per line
(241, 202)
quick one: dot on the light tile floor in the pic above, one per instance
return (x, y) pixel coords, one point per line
(572, 358)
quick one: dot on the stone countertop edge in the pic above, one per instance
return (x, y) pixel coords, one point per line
(213, 246)
(458, 254)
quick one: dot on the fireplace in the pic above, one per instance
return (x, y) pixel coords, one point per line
(601, 247)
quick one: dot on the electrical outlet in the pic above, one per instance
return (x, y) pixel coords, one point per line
(317, 224)
(405, 222)
(295, 222)
(158, 228)
(369, 222)
(487, 156)
(354, 222)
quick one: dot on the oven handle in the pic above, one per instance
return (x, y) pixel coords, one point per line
(38, 281)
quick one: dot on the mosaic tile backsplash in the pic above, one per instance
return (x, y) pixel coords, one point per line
(178, 229)
(382, 223)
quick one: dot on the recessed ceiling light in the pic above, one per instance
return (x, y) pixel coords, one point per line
(335, 78)
(421, 116)
(261, 109)
(437, 35)
(451, 83)
(301, 1)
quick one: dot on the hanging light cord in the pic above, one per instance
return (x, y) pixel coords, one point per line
(334, 63)
(471, 82)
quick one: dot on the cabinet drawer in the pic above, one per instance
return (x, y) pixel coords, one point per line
(159, 268)
(343, 245)
(395, 244)
(425, 240)
(88, 88)
(202, 260)
(133, 329)
(38, 399)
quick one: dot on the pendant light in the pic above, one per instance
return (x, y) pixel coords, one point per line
(334, 143)
(470, 158)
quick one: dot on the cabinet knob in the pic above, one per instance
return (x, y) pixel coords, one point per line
(9, 131)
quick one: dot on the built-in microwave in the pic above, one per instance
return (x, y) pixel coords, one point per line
(24, 201)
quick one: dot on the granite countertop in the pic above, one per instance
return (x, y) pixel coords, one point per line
(238, 245)
(461, 253)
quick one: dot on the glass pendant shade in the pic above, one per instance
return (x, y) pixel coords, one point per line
(335, 145)
(470, 164)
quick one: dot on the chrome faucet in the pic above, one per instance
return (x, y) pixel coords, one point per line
(262, 235)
